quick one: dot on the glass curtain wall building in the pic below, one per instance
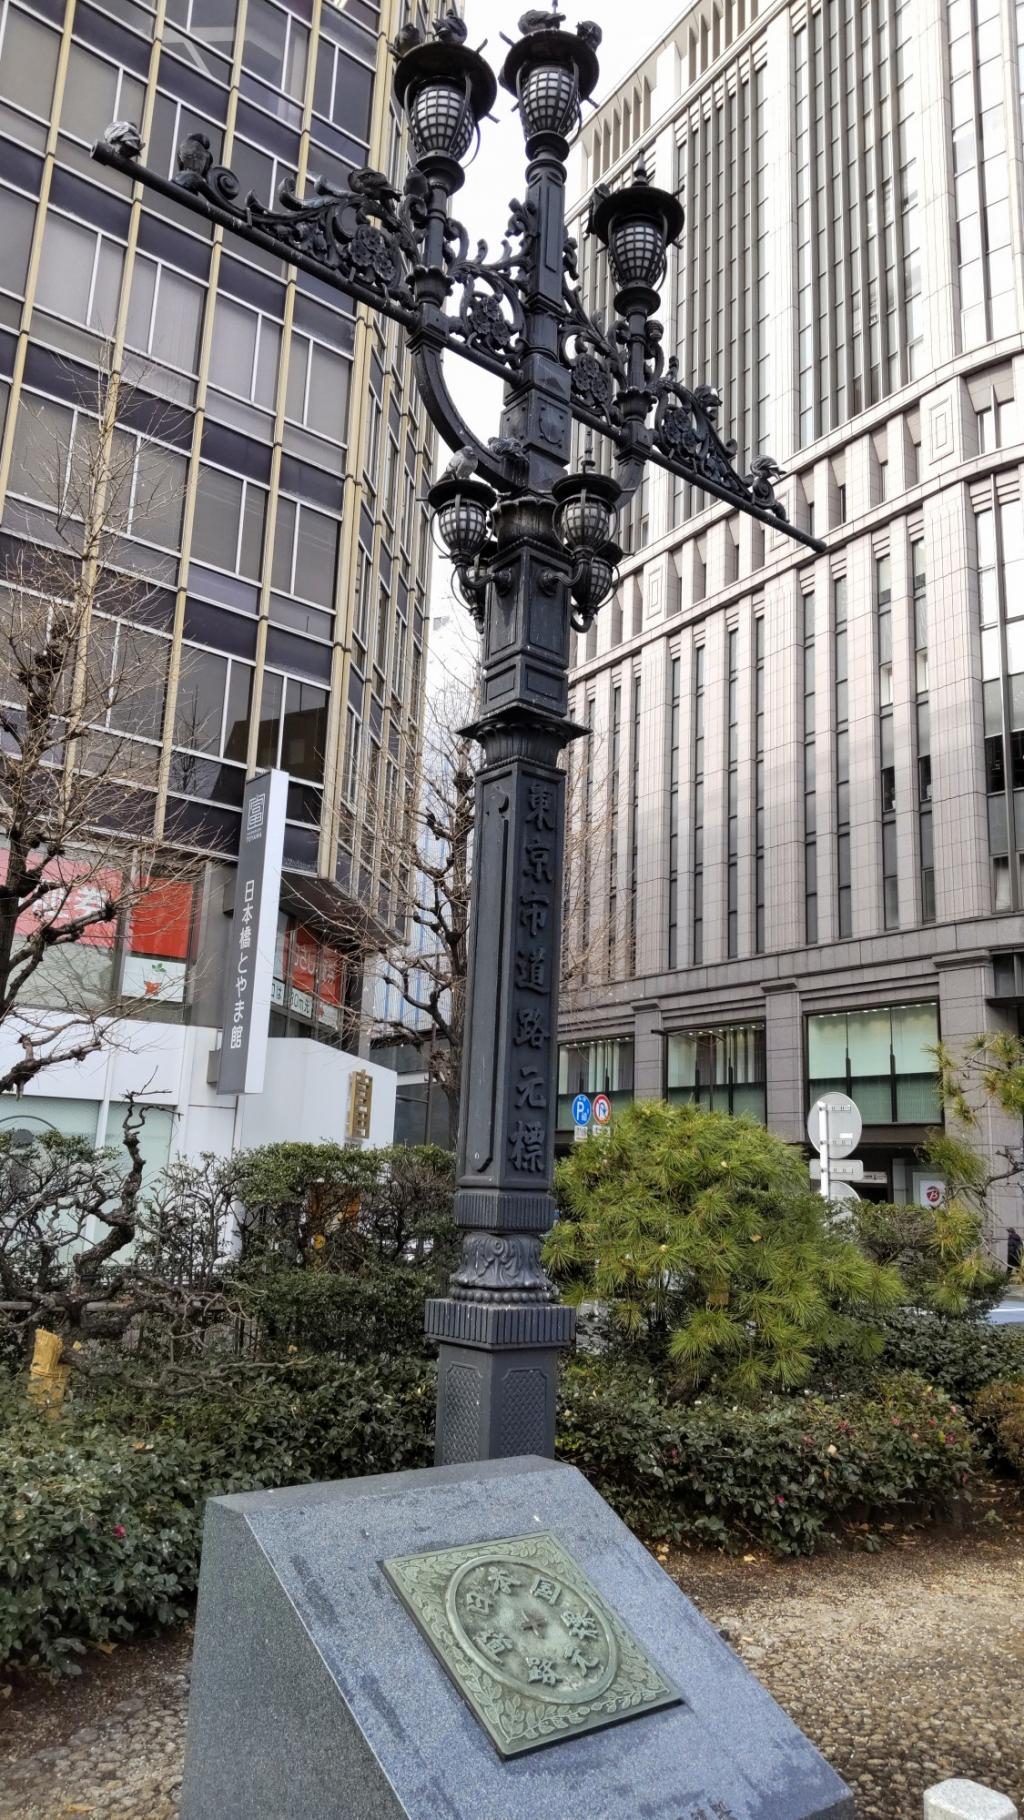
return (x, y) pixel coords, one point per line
(277, 447)
(826, 788)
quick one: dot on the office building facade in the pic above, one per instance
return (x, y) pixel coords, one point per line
(809, 771)
(275, 526)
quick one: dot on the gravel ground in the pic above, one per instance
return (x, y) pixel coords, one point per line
(904, 1667)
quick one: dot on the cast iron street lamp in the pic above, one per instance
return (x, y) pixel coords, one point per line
(535, 555)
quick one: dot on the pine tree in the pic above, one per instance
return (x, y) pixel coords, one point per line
(701, 1233)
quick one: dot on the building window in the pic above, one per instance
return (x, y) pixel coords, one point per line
(310, 984)
(28, 64)
(883, 1059)
(276, 49)
(923, 719)
(614, 780)
(981, 162)
(227, 531)
(890, 869)
(293, 728)
(318, 388)
(723, 307)
(810, 775)
(698, 806)
(80, 275)
(165, 315)
(306, 553)
(246, 352)
(842, 712)
(344, 89)
(1000, 537)
(759, 860)
(673, 820)
(721, 1068)
(733, 785)
(587, 813)
(590, 1068)
(634, 830)
(56, 462)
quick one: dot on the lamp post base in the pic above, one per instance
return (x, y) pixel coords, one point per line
(497, 1378)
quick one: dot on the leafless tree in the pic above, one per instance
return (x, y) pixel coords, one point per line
(82, 689)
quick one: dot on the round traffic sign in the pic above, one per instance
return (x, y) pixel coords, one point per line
(602, 1109)
(843, 1191)
(844, 1124)
(581, 1110)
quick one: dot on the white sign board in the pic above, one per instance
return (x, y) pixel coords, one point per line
(249, 978)
(844, 1169)
(843, 1121)
(843, 1191)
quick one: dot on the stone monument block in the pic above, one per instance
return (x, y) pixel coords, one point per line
(483, 1642)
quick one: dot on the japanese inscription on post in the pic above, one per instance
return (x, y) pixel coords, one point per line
(248, 979)
(530, 1644)
(534, 979)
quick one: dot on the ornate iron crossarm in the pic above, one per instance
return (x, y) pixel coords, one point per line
(368, 241)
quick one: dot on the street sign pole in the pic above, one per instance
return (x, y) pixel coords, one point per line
(824, 1152)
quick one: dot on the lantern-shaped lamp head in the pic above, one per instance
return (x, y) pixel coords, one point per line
(446, 89)
(593, 579)
(586, 508)
(637, 225)
(551, 73)
(463, 511)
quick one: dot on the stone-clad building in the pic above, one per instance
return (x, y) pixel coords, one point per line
(807, 789)
(277, 524)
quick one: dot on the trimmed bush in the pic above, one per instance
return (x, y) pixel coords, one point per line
(1000, 1415)
(961, 1357)
(782, 1475)
(332, 1312)
(101, 1511)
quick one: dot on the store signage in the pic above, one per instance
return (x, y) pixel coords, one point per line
(248, 989)
(360, 1106)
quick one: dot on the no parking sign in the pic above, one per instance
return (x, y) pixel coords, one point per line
(602, 1110)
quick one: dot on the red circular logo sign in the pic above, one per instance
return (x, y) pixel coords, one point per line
(933, 1195)
(602, 1109)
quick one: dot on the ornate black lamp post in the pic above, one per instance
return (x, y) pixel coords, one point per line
(534, 551)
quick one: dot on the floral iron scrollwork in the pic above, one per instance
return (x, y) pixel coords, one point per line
(685, 430)
(491, 319)
(595, 359)
(367, 233)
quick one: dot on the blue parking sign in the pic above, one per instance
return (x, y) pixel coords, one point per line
(581, 1109)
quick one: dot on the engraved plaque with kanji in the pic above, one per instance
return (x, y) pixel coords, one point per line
(533, 1648)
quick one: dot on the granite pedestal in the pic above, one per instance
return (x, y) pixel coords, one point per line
(317, 1696)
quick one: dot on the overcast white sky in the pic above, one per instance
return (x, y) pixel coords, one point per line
(631, 28)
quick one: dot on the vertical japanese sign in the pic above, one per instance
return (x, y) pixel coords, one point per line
(250, 968)
(532, 1004)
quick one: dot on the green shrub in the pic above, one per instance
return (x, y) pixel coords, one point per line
(702, 1234)
(938, 1251)
(999, 1411)
(334, 1312)
(332, 1204)
(101, 1511)
(959, 1356)
(781, 1475)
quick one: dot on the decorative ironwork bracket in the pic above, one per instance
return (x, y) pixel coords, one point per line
(368, 242)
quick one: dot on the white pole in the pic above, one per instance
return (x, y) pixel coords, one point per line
(826, 1166)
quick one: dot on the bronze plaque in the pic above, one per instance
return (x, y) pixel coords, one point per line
(532, 1647)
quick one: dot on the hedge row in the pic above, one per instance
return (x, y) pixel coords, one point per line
(101, 1511)
(782, 1476)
